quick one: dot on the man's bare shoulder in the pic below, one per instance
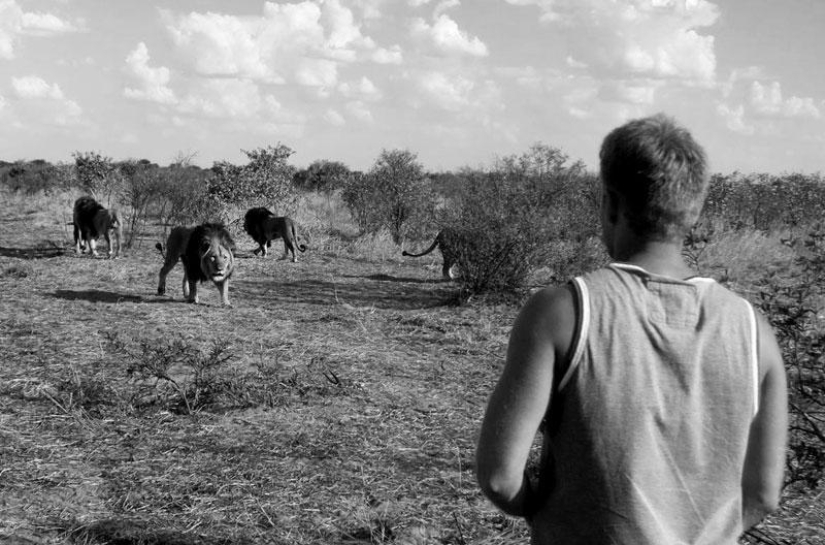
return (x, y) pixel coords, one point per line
(550, 314)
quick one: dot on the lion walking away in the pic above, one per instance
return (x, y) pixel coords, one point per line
(448, 242)
(91, 220)
(264, 227)
(209, 255)
(175, 248)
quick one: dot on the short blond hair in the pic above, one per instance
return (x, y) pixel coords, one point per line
(659, 174)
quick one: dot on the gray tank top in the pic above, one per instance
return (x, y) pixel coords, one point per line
(646, 437)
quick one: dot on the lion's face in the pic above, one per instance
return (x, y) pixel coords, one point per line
(217, 260)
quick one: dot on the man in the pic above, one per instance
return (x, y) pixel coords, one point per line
(662, 394)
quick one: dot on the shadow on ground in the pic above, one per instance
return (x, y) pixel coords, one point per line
(378, 291)
(39, 252)
(100, 296)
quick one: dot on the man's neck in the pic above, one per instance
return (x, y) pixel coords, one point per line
(663, 258)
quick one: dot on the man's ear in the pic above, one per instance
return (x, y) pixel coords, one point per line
(610, 205)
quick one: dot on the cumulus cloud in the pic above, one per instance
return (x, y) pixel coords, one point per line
(768, 101)
(631, 93)
(11, 16)
(30, 87)
(231, 98)
(48, 23)
(392, 55)
(276, 46)
(447, 37)
(734, 118)
(334, 118)
(447, 92)
(637, 38)
(15, 22)
(358, 110)
(363, 88)
(42, 100)
(153, 82)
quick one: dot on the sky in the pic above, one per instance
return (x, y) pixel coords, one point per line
(459, 83)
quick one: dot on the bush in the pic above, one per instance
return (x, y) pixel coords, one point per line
(395, 195)
(793, 306)
(266, 178)
(36, 176)
(515, 214)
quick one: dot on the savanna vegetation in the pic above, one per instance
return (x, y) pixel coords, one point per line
(339, 400)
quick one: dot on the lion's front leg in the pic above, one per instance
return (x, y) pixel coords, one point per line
(93, 246)
(193, 292)
(108, 245)
(223, 288)
(185, 286)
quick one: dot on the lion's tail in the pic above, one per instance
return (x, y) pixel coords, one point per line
(159, 246)
(425, 252)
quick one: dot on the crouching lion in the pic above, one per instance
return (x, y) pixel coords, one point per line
(91, 220)
(264, 226)
(448, 241)
(207, 252)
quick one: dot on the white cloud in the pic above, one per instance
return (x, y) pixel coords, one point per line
(220, 45)
(48, 23)
(334, 118)
(276, 46)
(445, 34)
(363, 88)
(734, 118)
(359, 111)
(447, 92)
(768, 101)
(319, 73)
(630, 93)
(637, 38)
(33, 87)
(392, 55)
(224, 98)
(15, 22)
(44, 103)
(11, 16)
(153, 82)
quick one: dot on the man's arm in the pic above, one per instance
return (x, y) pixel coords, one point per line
(765, 458)
(541, 334)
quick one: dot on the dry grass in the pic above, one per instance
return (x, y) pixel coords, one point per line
(346, 411)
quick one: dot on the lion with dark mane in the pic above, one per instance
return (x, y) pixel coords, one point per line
(449, 241)
(207, 252)
(264, 227)
(91, 220)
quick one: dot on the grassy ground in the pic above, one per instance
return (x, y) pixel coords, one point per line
(338, 401)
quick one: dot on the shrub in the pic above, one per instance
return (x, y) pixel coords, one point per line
(793, 306)
(36, 176)
(395, 194)
(266, 178)
(96, 175)
(515, 213)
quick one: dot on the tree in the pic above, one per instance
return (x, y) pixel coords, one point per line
(325, 177)
(395, 194)
(96, 174)
(267, 177)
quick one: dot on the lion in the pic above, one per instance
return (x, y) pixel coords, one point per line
(90, 220)
(448, 241)
(175, 247)
(209, 255)
(264, 227)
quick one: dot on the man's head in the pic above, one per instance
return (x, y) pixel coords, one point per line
(656, 174)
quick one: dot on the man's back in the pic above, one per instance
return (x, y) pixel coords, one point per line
(648, 434)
